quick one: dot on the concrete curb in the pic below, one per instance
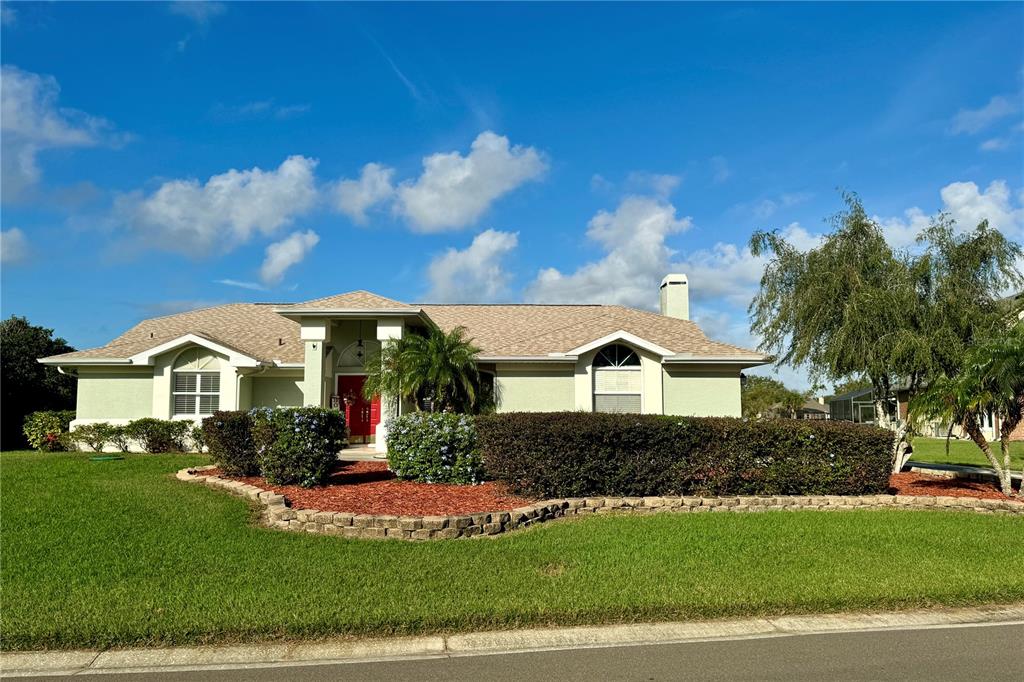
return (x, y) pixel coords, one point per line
(30, 664)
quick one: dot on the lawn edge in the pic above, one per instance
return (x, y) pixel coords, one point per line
(348, 650)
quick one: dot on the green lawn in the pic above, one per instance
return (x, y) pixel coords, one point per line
(120, 553)
(963, 452)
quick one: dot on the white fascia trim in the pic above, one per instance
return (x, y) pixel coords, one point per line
(235, 358)
(526, 358)
(84, 361)
(289, 365)
(622, 335)
(749, 360)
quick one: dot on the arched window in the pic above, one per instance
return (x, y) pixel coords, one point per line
(196, 383)
(618, 381)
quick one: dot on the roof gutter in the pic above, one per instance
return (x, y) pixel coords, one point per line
(56, 361)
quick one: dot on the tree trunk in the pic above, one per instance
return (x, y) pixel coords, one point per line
(900, 446)
(974, 431)
(1006, 426)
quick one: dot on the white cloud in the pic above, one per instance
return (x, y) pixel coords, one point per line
(455, 190)
(636, 259)
(969, 206)
(971, 121)
(264, 108)
(902, 232)
(252, 286)
(13, 246)
(720, 169)
(994, 145)
(228, 210)
(31, 122)
(282, 255)
(661, 184)
(355, 197)
(199, 11)
(475, 273)
(452, 192)
(768, 207)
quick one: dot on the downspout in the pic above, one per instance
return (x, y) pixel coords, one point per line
(238, 381)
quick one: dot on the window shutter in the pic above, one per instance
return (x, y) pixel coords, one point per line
(208, 404)
(210, 383)
(184, 404)
(616, 381)
(185, 382)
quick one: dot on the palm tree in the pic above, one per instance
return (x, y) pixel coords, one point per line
(431, 368)
(990, 382)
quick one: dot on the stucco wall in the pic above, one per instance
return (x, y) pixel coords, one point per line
(114, 394)
(708, 391)
(277, 391)
(534, 388)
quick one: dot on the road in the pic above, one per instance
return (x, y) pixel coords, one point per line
(947, 653)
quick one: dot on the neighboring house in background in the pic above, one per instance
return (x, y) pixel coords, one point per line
(604, 358)
(814, 408)
(857, 406)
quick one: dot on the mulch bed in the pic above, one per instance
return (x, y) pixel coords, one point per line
(922, 484)
(369, 488)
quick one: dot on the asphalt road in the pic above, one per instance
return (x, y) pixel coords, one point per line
(957, 653)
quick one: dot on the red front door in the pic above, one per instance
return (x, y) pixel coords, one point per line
(361, 415)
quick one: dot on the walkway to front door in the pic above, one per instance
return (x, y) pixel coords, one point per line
(361, 415)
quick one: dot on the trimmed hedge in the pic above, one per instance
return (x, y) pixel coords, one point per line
(228, 435)
(95, 435)
(438, 447)
(47, 430)
(159, 435)
(576, 454)
(297, 445)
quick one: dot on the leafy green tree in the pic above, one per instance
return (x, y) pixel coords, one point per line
(853, 307)
(28, 386)
(851, 385)
(989, 382)
(767, 397)
(432, 368)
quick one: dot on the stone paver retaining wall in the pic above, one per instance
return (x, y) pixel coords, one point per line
(277, 514)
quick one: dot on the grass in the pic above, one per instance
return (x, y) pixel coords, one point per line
(963, 452)
(120, 553)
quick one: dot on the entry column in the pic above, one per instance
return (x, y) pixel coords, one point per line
(388, 331)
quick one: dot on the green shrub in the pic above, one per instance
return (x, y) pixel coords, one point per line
(297, 445)
(96, 435)
(45, 430)
(197, 438)
(575, 454)
(229, 437)
(120, 437)
(159, 435)
(438, 447)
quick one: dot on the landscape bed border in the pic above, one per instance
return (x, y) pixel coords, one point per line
(276, 512)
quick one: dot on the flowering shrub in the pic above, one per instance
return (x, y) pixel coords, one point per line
(47, 430)
(434, 448)
(576, 454)
(297, 445)
(229, 438)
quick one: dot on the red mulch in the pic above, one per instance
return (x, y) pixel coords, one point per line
(369, 488)
(922, 484)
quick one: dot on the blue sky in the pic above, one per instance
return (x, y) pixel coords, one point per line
(160, 156)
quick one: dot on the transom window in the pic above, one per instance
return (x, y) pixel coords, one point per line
(196, 389)
(617, 380)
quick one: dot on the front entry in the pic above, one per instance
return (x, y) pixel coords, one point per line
(361, 415)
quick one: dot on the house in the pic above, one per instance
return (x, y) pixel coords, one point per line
(814, 408)
(606, 358)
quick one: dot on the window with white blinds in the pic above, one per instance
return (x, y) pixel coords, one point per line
(196, 393)
(618, 380)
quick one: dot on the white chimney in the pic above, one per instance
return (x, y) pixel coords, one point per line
(675, 297)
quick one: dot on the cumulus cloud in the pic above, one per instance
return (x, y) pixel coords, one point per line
(355, 197)
(225, 211)
(473, 274)
(31, 122)
(636, 257)
(13, 246)
(972, 121)
(968, 205)
(453, 191)
(282, 255)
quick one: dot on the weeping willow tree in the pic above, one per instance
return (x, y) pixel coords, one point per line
(433, 369)
(855, 307)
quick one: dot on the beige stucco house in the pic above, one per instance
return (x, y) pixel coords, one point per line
(540, 358)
